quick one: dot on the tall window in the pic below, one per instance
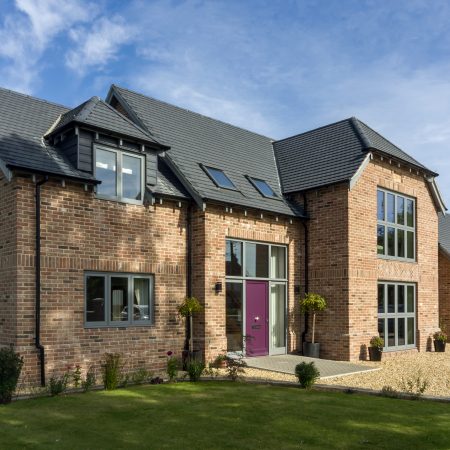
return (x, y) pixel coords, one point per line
(121, 175)
(116, 299)
(396, 228)
(397, 315)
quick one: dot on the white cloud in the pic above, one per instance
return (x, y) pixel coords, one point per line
(28, 31)
(96, 46)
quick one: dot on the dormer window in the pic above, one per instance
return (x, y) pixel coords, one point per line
(263, 188)
(121, 175)
(219, 178)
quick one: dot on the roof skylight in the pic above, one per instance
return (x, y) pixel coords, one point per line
(262, 186)
(219, 178)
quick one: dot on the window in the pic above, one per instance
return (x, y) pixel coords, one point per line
(118, 299)
(219, 178)
(396, 225)
(264, 189)
(234, 258)
(121, 175)
(256, 260)
(234, 318)
(397, 315)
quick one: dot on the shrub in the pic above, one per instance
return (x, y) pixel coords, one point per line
(10, 367)
(415, 386)
(112, 371)
(76, 376)
(156, 380)
(389, 391)
(141, 376)
(235, 366)
(195, 369)
(307, 374)
(172, 366)
(89, 382)
(377, 342)
(58, 385)
(440, 336)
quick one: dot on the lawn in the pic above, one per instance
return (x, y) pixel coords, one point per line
(213, 415)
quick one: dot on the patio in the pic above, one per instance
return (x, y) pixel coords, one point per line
(286, 364)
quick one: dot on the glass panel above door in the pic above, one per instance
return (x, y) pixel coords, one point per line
(256, 260)
(233, 257)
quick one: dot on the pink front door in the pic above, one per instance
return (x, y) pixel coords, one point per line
(257, 318)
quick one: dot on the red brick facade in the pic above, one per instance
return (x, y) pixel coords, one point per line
(444, 291)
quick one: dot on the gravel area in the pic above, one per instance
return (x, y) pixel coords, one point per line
(434, 368)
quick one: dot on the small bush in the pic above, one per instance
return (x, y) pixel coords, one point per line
(377, 342)
(415, 386)
(58, 385)
(440, 336)
(112, 371)
(307, 374)
(195, 369)
(172, 366)
(10, 367)
(389, 391)
(141, 376)
(156, 380)
(235, 366)
(89, 382)
(76, 376)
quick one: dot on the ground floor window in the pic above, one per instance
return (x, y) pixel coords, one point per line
(118, 299)
(397, 315)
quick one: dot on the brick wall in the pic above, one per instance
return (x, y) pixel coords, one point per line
(8, 264)
(210, 228)
(444, 291)
(81, 233)
(365, 268)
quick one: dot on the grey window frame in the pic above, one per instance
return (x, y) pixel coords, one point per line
(206, 169)
(396, 315)
(108, 323)
(119, 157)
(397, 227)
(253, 180)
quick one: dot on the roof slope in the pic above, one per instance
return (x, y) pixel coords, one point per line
(167, 183)
(330, 154)
(98, 114)
(23, 122)
(195, 139)
(444, 233)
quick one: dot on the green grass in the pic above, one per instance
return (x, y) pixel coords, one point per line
(223, 415)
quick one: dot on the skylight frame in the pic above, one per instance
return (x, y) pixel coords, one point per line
(207, 170)
(254, 181)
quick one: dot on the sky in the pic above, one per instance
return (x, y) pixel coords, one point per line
(275, 67)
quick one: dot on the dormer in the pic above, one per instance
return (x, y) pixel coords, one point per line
(98, 139)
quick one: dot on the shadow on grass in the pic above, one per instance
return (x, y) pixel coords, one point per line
(223, 415)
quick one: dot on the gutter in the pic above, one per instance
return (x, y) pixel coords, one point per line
(38, 344)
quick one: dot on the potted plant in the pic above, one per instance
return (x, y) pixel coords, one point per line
(440, 339)
(312, 303)
(187, 309)
(376, 348)
(220, 362)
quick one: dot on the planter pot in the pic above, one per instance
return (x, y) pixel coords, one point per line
(439, 346)
(375, 353)
(311, 350)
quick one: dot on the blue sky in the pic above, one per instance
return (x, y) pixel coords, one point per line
(275, 67)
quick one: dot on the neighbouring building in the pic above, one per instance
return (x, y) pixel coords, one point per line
(112, 212)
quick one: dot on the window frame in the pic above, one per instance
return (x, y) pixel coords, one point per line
(207, 169)
(396, 315)
(109, 323)
(397, 226)
(119, 175)
(253, 181)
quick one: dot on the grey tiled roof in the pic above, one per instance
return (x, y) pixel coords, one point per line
(23, 122)
(444, 232)
(330, 154)
(167, 183)
(195, 139)
(98, 114)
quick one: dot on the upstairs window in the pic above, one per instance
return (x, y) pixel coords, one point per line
(396, 227)
(121, 175)
(219, 178)
(263, 188)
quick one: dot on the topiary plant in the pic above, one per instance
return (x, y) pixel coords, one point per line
(377, 342)
(307, 374)
(189, 307)
(10, 367)
(313, 303)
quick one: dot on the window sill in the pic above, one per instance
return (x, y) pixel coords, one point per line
(396, 259)
(120, 200)
(91, 326)
(399, 349)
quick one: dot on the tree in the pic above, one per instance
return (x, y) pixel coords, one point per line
(313, 303)
(187, 309)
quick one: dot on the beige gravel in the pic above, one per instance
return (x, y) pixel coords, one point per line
(394, 372)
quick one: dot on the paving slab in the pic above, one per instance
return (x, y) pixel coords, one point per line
(286, 364)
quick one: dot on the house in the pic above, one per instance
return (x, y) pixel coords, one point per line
(114, 211)
(444, 272)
